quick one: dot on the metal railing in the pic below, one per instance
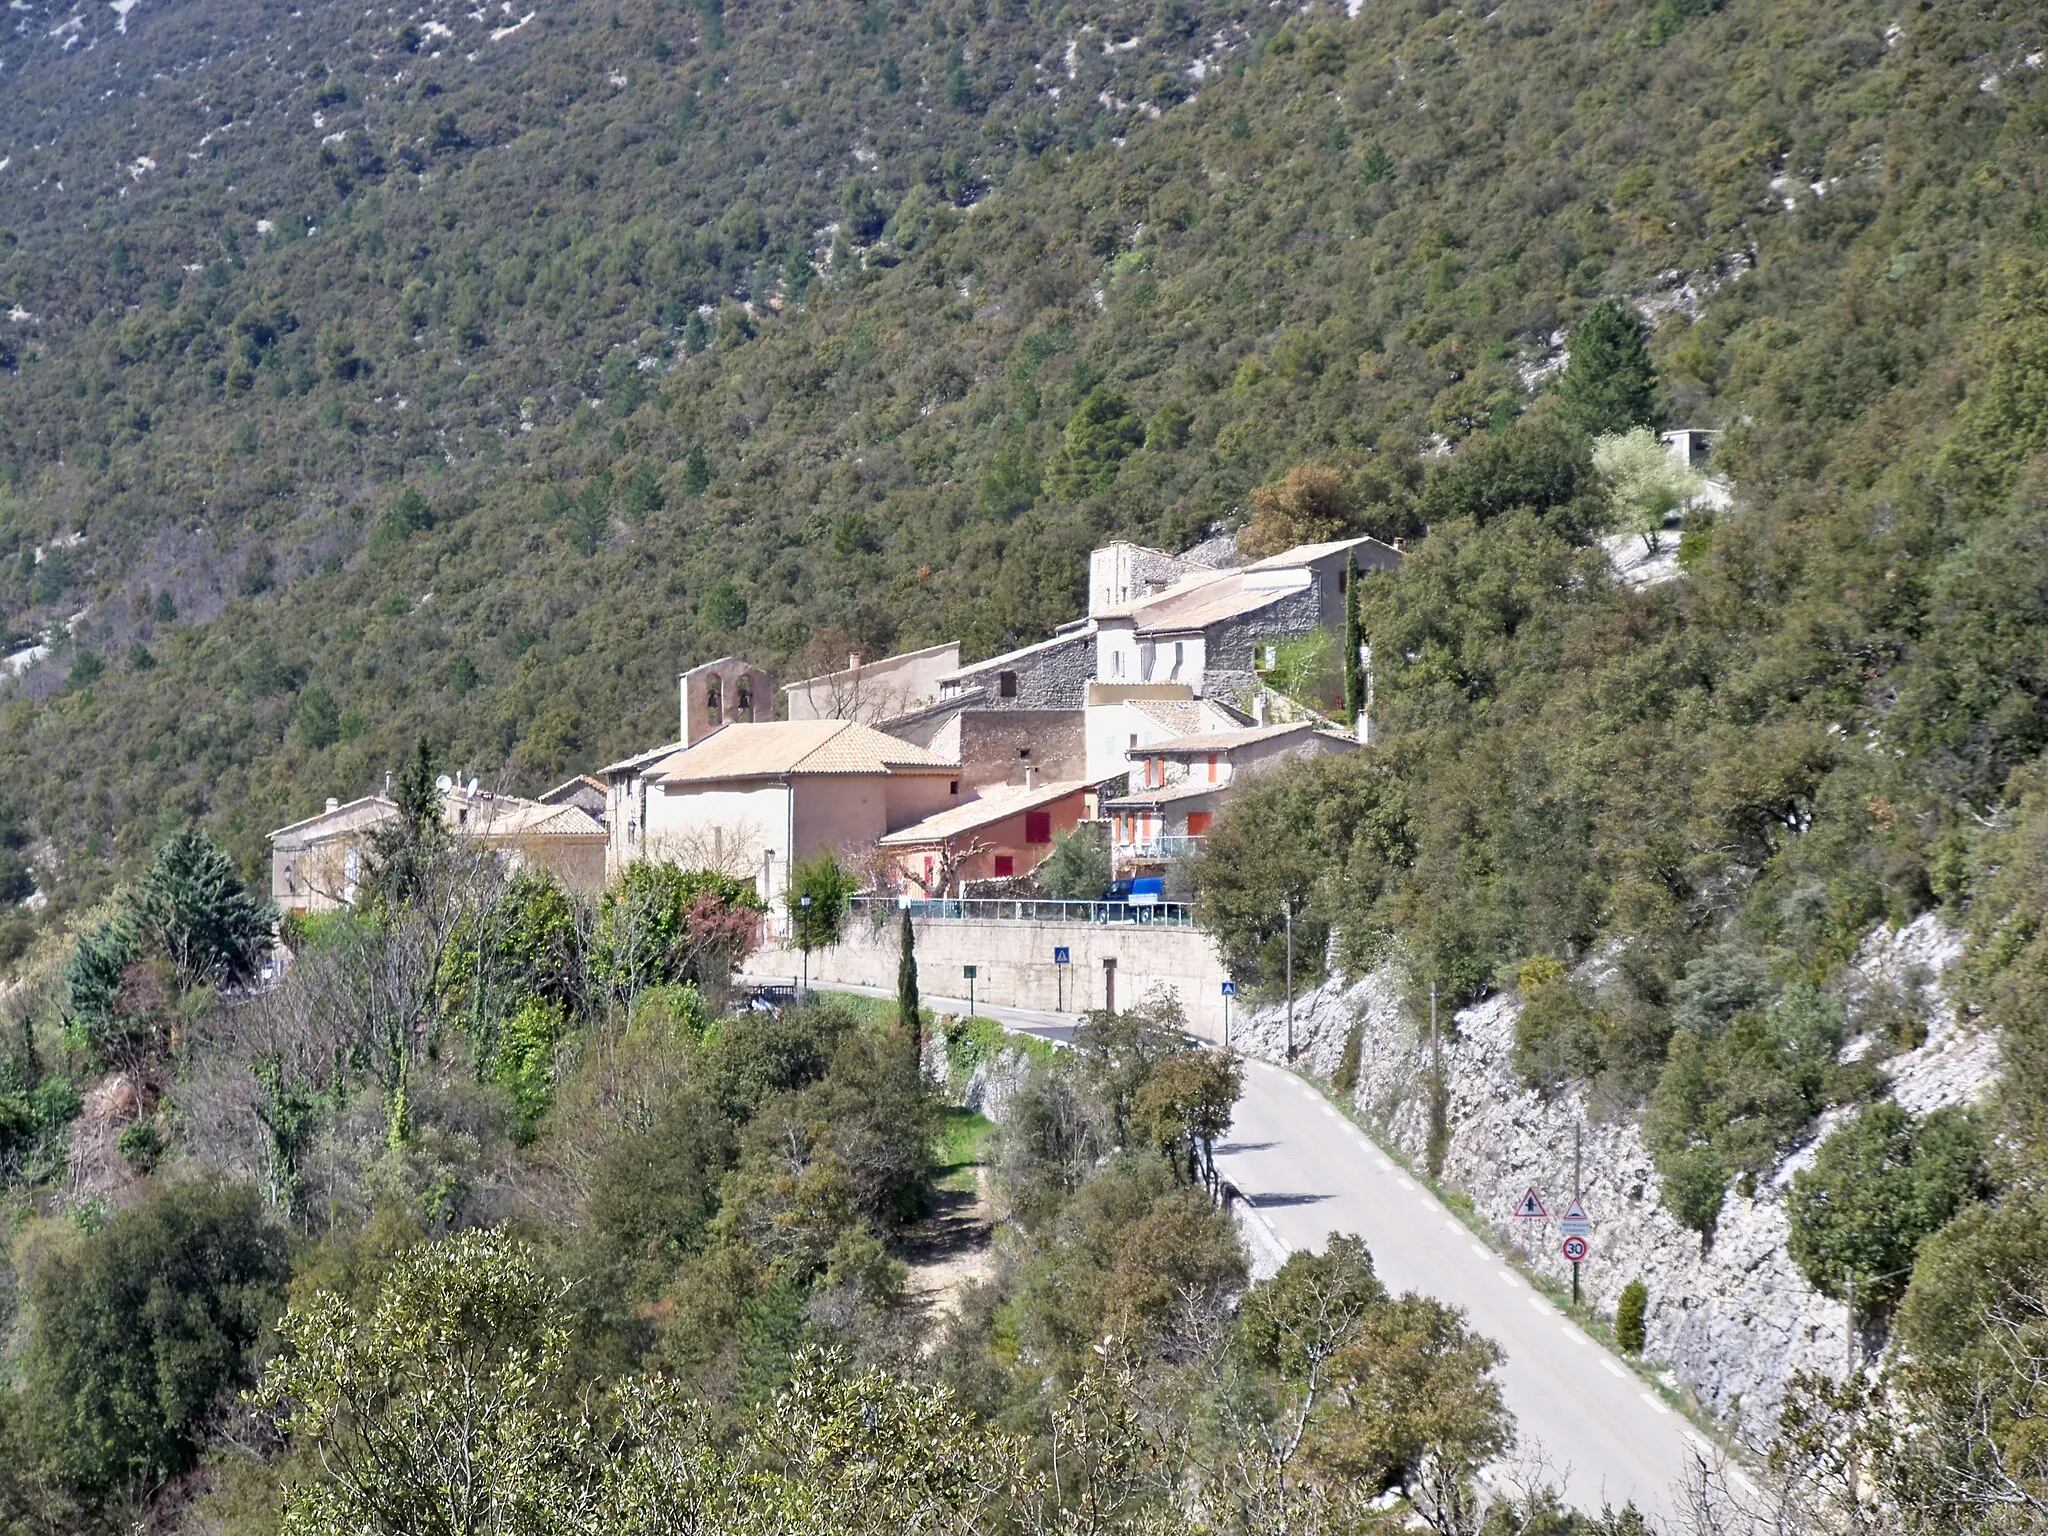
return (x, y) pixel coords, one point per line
(1161, 848)
(1013, 909)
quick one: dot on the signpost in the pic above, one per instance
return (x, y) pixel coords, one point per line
(1061, 959)
(1229, 991)
(1576, 1226)
(1530, 1208)
(968, 972)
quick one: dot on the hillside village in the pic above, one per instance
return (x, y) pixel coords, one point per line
(935, 779)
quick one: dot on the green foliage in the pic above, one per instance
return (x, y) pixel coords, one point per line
(526, 947)
(1077, 869)
(659, 924)
(1732, 1104)
(1629, 1311)
(1881, 1183)
(1186, 1101)
(1103, 431)
(909, 1010)
(138, 1332)
(1644, 482)
(524, 1063)
(1559, 1033)
(1609, 385)
(1322, 839)
(818, 898)
(190, 906)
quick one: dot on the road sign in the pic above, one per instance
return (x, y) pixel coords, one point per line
(1575, 1222)
(1230, 989)
(1530, 1207)
(967, 971)
(1575, 1248)
(1060, 956)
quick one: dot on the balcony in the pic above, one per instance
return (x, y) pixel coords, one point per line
(1157, 850)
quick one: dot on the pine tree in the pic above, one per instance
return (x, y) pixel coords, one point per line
(1609, 385)
(1354, 638)
(906, 993)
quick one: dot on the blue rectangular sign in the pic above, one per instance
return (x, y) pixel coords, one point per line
(1230, 989)
(1059, 955)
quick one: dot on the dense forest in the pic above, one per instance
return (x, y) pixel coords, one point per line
(455, 377)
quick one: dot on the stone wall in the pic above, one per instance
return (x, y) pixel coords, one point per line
(1014, 964)
(1054, 675)
(1733, 1319)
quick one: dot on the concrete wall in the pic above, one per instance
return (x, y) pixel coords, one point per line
(914, 796)
(1014, 961)
(726, 827)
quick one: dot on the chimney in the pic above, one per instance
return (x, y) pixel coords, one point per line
(387, 781)
(1259, 708)
(333, 804)
(853, 661)
(1031, 776)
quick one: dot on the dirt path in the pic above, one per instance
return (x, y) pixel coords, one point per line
(949, 1250)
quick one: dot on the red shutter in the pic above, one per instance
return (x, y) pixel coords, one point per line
(1005, 865)
(1198, 822)
(1038, 826)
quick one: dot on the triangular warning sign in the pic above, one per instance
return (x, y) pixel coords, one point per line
(1575, 1222)
(1576, 1211)
(1530, 1206)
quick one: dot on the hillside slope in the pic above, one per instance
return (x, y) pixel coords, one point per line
(570, 378)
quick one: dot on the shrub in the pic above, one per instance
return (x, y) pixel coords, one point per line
(1629, 1309)
(137, 1334)
(660, 924)
(1879, 1184)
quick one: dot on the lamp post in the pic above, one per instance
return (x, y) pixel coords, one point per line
(804, 938)
(1288, 912)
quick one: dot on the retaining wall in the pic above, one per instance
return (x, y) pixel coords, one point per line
(1014, 964)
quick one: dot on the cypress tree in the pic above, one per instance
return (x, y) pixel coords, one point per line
(1609, 385)
(1354, 638)
(906, 993)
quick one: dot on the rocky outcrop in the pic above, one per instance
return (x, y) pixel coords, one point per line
(1732, 1319)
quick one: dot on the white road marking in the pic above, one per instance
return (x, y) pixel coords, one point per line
(1743, 1478)
(1542, 1306)
(1385, 1166)
(1699, 1441)
(1613, 1369)
(1453, 1228)
(1654, 1402)
(1404, 1182)
(1574, 1335)
(1481, 1251)
(1507, 1277)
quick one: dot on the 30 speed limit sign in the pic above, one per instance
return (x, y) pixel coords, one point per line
(1575, 1249)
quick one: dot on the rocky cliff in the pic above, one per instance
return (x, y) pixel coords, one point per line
(1732, 1320)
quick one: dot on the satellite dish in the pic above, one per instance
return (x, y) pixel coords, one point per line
(444, 783)
(472, 787)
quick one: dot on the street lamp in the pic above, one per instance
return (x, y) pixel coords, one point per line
(1288, 912)
(804, 938)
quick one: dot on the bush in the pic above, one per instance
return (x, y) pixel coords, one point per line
(1629, 1309)
(138, 1333)
(1558, 1035)
(660, 924)
(1077, 869)
(1879, 1184)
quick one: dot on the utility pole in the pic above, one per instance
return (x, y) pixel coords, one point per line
(1576, 1128)
(1849, 1320)
(1288, 912)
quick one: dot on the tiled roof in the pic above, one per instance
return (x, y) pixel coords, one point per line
(1304, 554)
(1225, 741)
(641, 759)
(367, 811)
(1140, 798)
(1226, 597)
(771, 749)
(507, 817)
(992, 805)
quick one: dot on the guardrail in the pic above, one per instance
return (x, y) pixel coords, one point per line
(1010, 909)
(1162, 848)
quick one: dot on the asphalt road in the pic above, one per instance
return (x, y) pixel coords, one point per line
(1586, 1422)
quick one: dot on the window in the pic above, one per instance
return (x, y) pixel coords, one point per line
(953, 787)
(1116, 663)
(1006, 685)
(1024, 754)
(1006, 866)
(1038, 826)
(1198, 822)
